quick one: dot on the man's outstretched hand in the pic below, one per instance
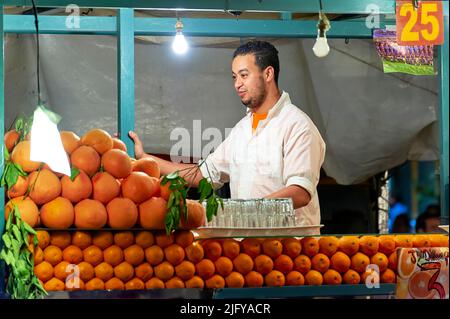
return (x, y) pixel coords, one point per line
(138, 147)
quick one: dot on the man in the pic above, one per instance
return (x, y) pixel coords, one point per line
(275, 151)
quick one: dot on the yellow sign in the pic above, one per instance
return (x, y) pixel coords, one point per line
(419, 26)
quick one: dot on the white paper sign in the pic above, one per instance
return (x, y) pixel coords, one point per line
(46, 144)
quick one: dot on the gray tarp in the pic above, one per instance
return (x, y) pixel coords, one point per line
(371, 121)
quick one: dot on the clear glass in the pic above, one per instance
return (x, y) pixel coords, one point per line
(255, 213)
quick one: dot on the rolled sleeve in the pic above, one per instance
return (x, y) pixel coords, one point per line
(304, 153)
(302, 182)
(216, 167)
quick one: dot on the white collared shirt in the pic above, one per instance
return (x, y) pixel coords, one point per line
(285, 150)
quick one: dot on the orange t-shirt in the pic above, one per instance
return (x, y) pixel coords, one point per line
(256, 118)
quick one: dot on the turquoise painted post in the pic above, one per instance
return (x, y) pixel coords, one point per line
(443, 118)
(2, 159)
(125, 75)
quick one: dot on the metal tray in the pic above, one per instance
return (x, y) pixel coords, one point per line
(298, 231)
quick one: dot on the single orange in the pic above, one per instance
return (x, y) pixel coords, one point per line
(351, 277)
(93, 255)
(134, 255)
(291, 247)
(302, 263)
(295, 278)
(144, 271)
(135, 284)
(174, 254)
(332, 277)
(154, 255)
(328, 245)
(275, 278)
(185, 270)
(113, 255)
(195, 282)
(340, 262)
(235, 280)
(231, 248)
(215, 282)
(164, 271)
(320, 262)
(263, 264)
(254, 279)
(314, 278)
(310, 246)
(174, 282)
(154, 283)
(205, 268)
(103, 239)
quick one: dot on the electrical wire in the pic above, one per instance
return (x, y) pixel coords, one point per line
(36, 22)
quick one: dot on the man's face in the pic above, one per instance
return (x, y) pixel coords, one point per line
(248, 81)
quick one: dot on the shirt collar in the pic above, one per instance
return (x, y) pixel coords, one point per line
(282, 101)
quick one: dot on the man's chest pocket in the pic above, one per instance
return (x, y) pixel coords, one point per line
(270, 163)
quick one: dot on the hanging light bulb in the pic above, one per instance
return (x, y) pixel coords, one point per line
(321, 47)
(179, 44)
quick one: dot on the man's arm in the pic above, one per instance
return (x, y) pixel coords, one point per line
(300, 197)
(167, 167)
(304, 154)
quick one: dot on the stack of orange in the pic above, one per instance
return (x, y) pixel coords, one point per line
(110, 190)
(145, 260)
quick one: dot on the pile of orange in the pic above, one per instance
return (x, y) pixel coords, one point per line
(111, 190)
(118, 260)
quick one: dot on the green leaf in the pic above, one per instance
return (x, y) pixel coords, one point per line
(164, 180)
(5, 154)
(19, 169)
(16, 232)
(7, 241)
(74, 173)
(12, 176)
(8, 257)
(30, 230)
(10, 219)
(19, 124)
(5, 173)
(201, 185)
(169, 223)
(171, 200)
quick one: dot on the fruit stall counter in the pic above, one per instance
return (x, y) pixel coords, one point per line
(149, 264)
(112, 193)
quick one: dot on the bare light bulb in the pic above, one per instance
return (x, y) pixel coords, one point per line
(179, 44)
(321, 47)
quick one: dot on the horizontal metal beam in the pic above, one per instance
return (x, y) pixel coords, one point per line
(192, 27)
(251, 28)
(58, 25)
(303, 6)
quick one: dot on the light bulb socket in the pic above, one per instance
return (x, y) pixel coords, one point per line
(179, 26)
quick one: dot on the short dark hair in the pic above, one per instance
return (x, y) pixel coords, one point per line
(265, 55)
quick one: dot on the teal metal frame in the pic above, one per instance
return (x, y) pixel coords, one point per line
(304, 6)
(192, 27)
(125, 26)
(444, 118)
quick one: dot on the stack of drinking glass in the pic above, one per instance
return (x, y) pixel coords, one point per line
(254, 213)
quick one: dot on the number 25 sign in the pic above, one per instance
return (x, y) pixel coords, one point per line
(419, 26)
